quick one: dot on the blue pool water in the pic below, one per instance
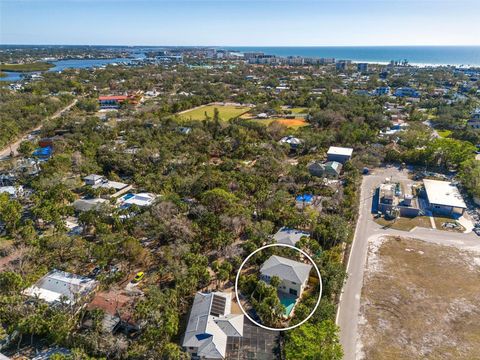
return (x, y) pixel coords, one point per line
(288, 301)
(128, 196)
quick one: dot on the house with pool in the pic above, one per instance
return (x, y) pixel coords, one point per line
(140, 200)
(293, 277)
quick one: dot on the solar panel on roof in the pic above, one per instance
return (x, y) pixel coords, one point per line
(203, 336)
(218, 305)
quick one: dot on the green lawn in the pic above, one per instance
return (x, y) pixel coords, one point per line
(299, 110)
(226, 112)
(38, 66)
(444, 133)
(405, 224)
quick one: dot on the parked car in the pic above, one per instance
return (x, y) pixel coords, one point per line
(140, 275)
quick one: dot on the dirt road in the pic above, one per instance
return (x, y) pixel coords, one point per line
(6, 151)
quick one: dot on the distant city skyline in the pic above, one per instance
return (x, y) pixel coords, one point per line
(240, 23)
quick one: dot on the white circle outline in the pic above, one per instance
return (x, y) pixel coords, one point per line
(319, 294)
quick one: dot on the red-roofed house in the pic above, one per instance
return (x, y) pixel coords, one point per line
(111, 101)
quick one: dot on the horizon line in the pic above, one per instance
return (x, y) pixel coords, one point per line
(258, 46)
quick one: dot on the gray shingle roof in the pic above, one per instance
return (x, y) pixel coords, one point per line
(286, 269)
(289, 236)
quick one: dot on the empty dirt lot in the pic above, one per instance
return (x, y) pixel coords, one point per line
(420, 301)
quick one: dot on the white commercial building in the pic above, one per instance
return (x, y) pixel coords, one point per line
(444, 198)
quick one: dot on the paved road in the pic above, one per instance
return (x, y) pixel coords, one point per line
(5, 152)
(349, 307)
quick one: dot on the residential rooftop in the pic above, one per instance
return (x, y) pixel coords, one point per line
(211, 323)
(334, 150)
(60, 285)
(289, 236)
(286, 269)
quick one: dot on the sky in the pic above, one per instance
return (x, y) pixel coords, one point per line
(240, 22)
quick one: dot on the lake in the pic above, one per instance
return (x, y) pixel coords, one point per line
(61, 65)
(11, 76)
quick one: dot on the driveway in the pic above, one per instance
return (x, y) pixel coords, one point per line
(349, 306)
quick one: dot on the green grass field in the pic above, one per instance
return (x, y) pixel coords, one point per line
(226, 112)
(38, 66)
(444, 133)
(405, 224)
(299, 110)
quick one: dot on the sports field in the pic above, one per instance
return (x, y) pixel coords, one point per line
(291, 123)
(227, 112)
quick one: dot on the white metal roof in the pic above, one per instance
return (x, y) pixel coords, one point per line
(88, 204)
(59, 284)
(93, 177)
(334, 150)
(10, 190)
(110, 185)
(208, 333)
(291, 140)
(443, 193)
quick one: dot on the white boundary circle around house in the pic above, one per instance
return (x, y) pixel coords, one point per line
(319, 293)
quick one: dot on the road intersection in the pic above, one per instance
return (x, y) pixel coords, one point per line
(366, 231)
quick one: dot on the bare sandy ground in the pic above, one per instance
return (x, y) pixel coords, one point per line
(419, 301)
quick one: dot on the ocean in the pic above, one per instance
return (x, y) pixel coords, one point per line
(467, 56)
(416, 55)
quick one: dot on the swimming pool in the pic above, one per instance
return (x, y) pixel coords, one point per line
(128, 196)
(288, 301)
